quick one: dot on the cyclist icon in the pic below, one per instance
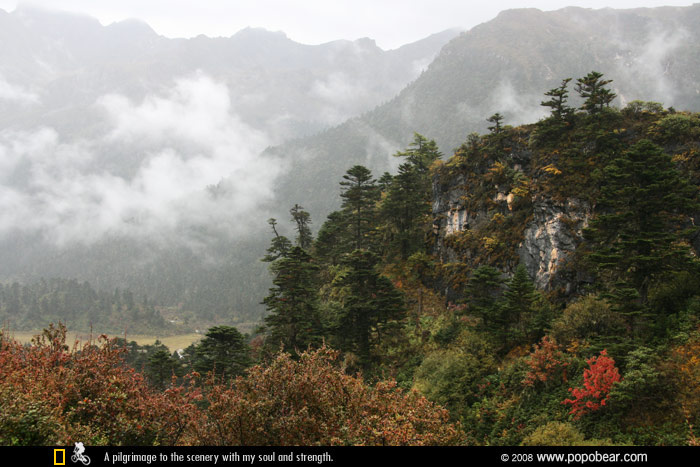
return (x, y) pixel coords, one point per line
(78, 454)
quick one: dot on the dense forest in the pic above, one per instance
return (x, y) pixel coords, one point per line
(78, 306)
(404, 323)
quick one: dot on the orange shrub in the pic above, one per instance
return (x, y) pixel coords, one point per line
(313, 402)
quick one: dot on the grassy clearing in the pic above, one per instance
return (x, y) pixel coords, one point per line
(180, 341)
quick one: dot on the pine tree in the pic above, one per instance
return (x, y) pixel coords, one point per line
(279, 246)
(560, 111)
(359, 195)
(406, 208)
(421, 153)
(519, 298)
(497, 138)
(371, 306)
(592, 89)
(637, 237)
(496, 119)
(384, 182)
(223, 350)
(293, 322)
(160, 367)
(302, 220)
(328, 247)
(484, 291)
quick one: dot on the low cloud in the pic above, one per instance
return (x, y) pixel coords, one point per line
(342, 96)
(169, 167)
(655, 62)
(419, 66)
(647, 65)
(16, 93)
(517, 108)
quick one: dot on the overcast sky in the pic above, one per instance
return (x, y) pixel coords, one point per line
(390, 22)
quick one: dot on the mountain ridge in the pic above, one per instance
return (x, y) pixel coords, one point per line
(500, 66)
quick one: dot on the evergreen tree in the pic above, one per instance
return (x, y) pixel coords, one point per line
(559, 96)
(498, 135)
(484, 291)
(279, 246)
(496, 119)
(384, 181)
(302, 220)
(328, 246)
(359, 195)
(519, 298)
(637, 235)
(223, 350)
(161, 367)
(592, 89)
(371, 306)
(406, 208)
(293, 322)
(421, 153)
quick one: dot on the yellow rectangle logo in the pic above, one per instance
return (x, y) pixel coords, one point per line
(59, 459)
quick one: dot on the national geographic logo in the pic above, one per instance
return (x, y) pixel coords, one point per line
(59, 457)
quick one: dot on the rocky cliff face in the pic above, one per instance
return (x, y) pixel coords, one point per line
(549, 241)
(450, 216)
(546, 243)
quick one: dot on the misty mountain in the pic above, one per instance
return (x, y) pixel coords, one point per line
(63, 63)
(116, 130)
(506, 65)
(114, 142)
(134, 160)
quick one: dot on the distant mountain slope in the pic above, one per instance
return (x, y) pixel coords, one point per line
(505, 66)
(277, 85)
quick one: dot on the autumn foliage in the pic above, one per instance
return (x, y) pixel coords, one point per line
(313, 402)
(545, 362)
(683, 370)
(52, 394)
(598, 380)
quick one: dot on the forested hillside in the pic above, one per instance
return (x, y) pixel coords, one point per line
(538, 287)
(79, 306)
(128, 168)
(131, 160)
(502, 67)
(548, 274)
